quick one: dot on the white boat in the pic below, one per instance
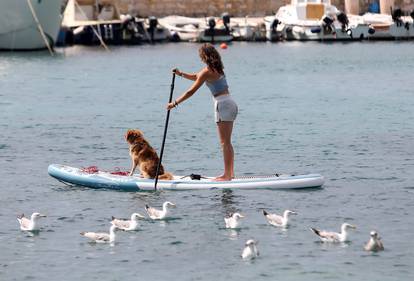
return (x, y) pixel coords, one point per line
(248, 29)
(19, 29)
(94, 21)
(198, 29)
(182, 28)
(314, 20)
(394, 26)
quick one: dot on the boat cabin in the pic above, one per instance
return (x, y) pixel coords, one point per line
(312, 9)
(83, 12)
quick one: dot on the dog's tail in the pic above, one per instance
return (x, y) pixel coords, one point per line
(166, 176)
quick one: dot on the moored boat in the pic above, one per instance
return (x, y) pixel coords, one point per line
(19, 29)
(314, 20)
(182, 28)
(95, 21)
(197, 29)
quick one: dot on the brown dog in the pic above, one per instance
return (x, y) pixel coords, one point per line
(144, 156)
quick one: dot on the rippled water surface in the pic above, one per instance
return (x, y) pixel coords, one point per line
(342, 110)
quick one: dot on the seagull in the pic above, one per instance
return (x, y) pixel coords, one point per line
(374, 244)
(334, 237)
(102, 237)
(127, 225)
(250, 250)
(158, 214)
(277, 220)
(232, 221)
(29, 225)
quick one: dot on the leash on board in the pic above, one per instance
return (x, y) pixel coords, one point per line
(165, 132)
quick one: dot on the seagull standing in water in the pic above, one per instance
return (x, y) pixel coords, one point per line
(29, 225)
(100, 237)
(334, 237)
(250, 250)
(127, 225)
(278, 220)
(232, 221)
(374, 244)
(158, 214)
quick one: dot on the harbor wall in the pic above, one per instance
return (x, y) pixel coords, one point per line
(240, 8)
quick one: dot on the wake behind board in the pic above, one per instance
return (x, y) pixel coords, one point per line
(106, 180)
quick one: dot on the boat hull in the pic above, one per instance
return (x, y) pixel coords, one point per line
(18, 29)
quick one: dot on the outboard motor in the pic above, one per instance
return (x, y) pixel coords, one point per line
(211, 24)
(343, 19)
(327, 24)
(274, 24)
(396, 16)
(152, 22)
(226, 20)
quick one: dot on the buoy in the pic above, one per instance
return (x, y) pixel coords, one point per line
(223, 46)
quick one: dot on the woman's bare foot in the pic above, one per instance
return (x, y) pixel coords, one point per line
(223, 178)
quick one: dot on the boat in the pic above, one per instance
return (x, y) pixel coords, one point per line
(182, 28)
(314, 20)
(94, 22)
(19, 29)
(248, 29)
(390, 27)
(118, 181)
(197, 29)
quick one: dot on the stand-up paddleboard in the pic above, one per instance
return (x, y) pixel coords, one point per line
(107, 180)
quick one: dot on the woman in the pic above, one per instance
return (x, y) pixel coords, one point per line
(225, 107)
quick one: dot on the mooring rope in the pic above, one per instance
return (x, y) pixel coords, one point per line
(39, 26)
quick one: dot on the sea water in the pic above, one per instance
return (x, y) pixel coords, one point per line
(342, 110)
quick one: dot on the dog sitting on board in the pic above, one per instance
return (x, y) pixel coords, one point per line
(144, 156)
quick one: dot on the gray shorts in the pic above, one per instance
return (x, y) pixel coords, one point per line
(225, 108)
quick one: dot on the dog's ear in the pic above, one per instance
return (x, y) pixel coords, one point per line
(133, 136)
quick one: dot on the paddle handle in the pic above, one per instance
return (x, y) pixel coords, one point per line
(165, 132)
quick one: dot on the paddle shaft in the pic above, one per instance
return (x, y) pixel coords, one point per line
(165, 132)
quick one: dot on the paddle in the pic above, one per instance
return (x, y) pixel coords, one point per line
(165, 132)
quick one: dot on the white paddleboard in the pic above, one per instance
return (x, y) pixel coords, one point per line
(106, 180)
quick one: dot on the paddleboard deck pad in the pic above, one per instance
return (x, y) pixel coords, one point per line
(117, 181)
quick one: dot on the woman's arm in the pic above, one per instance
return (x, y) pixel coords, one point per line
(201, 78)
(189, 76)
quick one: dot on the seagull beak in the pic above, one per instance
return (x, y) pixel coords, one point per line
(42, 216)
(242, 216)
(353, 226)
(294, 213)
(140, 216)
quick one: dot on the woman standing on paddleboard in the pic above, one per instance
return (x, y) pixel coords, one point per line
(225, 107)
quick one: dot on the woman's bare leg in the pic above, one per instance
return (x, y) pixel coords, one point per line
(225, 129)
